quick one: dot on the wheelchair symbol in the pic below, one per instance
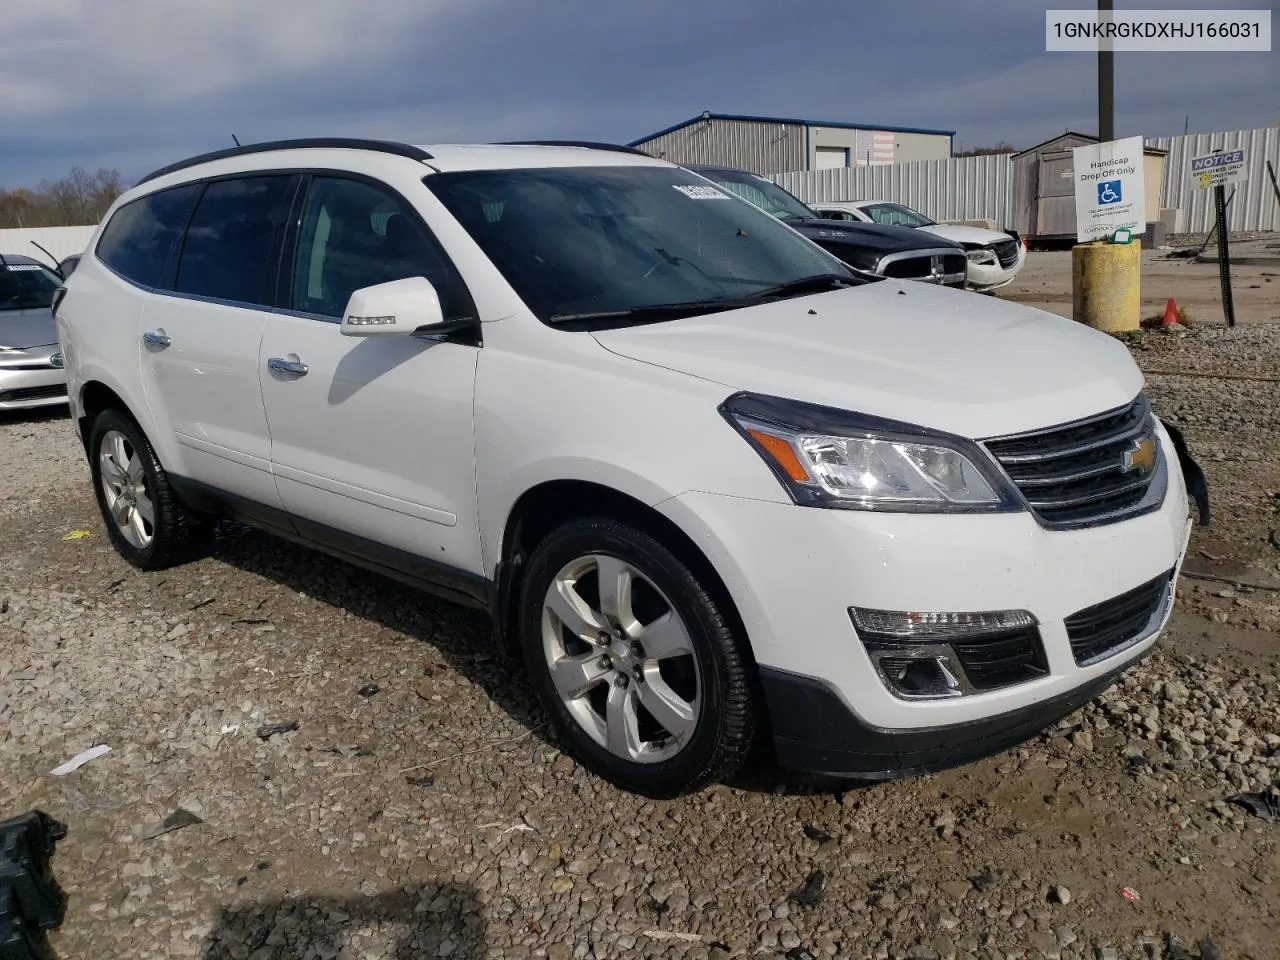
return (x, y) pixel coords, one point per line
(1109, 192)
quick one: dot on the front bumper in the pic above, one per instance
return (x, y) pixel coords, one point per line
(984, 277)
(815, 732)
(28, 379)
(794, 573)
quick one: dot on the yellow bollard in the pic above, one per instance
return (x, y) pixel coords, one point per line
(1106, 285)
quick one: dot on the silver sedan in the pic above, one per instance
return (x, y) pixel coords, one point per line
(31, 373)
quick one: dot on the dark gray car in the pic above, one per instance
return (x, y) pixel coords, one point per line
(31, 373)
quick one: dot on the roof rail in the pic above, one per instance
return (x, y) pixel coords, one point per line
(347, 143)
(588, 144)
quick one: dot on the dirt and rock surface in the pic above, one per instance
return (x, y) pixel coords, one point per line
(434, 817)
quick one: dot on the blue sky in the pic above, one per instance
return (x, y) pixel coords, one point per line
(135, 84)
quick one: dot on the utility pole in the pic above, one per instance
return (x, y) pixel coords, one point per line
(1106, 79)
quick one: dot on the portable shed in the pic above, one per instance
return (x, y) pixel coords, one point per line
(1044, 199)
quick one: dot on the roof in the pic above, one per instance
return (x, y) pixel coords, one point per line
(838, 124)
(437, 158)
(1088, 137)
(17, 258)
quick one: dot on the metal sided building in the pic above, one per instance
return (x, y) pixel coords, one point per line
(769, 145)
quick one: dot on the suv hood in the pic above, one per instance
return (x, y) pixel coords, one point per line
(962, 233)
(938, 358)
(29, 327)
(870, 236)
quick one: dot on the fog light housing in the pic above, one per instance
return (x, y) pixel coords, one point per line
(935, 656)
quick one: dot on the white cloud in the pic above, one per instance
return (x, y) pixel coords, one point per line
(65, 53)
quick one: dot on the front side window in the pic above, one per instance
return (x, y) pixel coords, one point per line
(227, 250)
(356, 235)
(577, 242)
(896, 215)
(141, 234)
(25, 285)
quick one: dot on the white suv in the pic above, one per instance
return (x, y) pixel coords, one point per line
(709, 482)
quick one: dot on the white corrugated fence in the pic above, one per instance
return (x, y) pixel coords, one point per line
(1254, 206)
(59, 241)
(961, 188)
(968, 188)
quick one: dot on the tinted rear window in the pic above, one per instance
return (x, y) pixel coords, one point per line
(229, 242)
(141, 234)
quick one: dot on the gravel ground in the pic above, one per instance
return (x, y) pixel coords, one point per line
(434, 817)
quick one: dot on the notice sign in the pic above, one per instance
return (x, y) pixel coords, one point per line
(1109, 188)
(1219, 169)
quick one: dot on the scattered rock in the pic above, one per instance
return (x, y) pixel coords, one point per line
(175, 821)
(810, 895)
(1059, 895)
(368, 690)
(269, 730)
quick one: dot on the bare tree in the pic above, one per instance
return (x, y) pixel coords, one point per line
(78, 199)
(1000, 147)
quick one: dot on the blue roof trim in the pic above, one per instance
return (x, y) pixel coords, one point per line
(838, 124)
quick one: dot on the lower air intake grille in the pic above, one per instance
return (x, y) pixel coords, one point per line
(33, 393)
(1106, 628)
(1002, 660)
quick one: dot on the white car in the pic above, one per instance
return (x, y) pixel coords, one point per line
(707, 480)
(995, 257)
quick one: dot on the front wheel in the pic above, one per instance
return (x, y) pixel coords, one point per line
(147, 523)
(634, 660)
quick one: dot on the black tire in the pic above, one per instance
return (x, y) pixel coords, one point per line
(178, 534)
(726, 719)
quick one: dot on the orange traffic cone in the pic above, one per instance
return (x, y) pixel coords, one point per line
(1170, 314)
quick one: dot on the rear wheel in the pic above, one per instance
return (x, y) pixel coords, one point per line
(636, 664)
(146, 522)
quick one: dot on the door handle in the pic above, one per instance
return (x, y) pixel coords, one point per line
(156, 338)
(294, 368)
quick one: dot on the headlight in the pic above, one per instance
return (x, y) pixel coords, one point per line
(985, 257)
(832, 458)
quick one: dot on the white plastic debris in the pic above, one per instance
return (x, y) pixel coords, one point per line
(80, 759)
(673, 935)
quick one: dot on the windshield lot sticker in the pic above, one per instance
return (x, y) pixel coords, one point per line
(15, 267)
(700, 193)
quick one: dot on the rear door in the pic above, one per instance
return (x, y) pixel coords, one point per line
(371, 438)
(201, 333)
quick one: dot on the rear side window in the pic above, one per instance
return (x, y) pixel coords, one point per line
(227, 252)
(142, 234)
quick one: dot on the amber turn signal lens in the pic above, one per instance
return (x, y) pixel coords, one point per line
(783, 453)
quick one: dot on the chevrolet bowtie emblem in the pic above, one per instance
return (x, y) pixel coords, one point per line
(1141, 456)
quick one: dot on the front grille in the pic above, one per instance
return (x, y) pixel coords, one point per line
(1002, 660)
(1086, 472)
(1006, 252)
(1105, 629)
(921, 268)
(33, 393)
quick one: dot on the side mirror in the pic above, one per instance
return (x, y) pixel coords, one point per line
(399, 308)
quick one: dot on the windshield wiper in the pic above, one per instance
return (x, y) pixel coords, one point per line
(814, 284)
(657, 311)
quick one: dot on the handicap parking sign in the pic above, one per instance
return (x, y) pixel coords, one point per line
(1108, 192)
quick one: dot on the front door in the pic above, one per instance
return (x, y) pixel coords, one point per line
(200, 339)
(371, 438)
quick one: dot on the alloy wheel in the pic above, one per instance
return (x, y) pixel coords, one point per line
(124, 487)
(621, 659)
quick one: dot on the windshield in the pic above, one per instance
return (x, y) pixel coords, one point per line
(577, 242)
(765, 194)
(26, 285)
(896, 215)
